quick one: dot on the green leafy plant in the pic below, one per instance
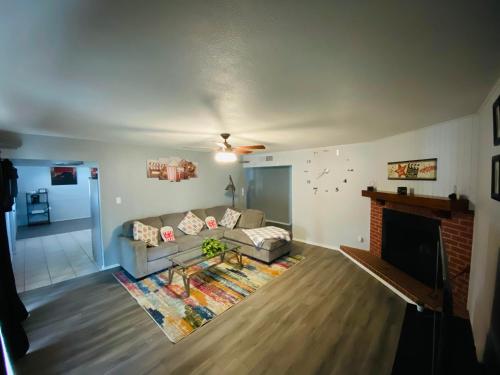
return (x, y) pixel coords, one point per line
(211, 247)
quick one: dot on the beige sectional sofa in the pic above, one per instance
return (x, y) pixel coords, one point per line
(139, 260)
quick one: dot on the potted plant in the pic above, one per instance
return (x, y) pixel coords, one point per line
(211, 247)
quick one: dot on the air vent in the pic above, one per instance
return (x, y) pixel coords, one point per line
(269, 158)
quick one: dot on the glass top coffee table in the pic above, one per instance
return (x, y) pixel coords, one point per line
(191, 262)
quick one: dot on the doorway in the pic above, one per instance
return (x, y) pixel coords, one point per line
(269, 190)
(57, 222)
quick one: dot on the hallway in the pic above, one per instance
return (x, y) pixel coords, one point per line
(56, 227)
(47, 260)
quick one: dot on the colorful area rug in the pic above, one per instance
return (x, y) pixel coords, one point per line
(212, 292)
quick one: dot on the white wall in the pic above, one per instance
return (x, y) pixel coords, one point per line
(453, 143)
(66, 201)
(122, 172)
(486, 243)
(333, 218)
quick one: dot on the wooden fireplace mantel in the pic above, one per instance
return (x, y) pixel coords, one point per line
(442, 205)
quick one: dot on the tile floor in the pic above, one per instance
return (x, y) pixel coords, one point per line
(42, 261)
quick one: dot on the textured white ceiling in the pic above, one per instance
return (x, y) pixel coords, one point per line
(289, 74)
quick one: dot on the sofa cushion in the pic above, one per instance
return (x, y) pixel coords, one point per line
(128, 226)
(217, 212)
(167, 233)
(145, 233)
(217, 233)
(239, 236)
(188, 242)
(230, 218)
(164, 249)
(173, 220)
(191, 224)
(251, 219)
(211, 222)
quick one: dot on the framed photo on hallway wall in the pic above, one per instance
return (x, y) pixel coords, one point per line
(63, 176)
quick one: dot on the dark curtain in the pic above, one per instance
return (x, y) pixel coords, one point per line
(12, 310)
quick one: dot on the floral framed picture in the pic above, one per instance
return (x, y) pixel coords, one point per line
(496, 122)
(495, 177)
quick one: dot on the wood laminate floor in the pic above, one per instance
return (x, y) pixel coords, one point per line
(323, 316)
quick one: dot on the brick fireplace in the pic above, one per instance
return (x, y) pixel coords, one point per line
(457, 229)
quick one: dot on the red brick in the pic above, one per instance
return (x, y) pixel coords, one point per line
(465, 246)
(457, 236)
(450, 243)
(449, 231)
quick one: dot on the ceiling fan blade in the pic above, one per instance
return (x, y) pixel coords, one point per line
(253, 147)
(220, 144)
(238, 151)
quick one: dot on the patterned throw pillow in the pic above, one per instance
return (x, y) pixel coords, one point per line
(167, 233)
(230, 218)
(191, 224)
(211, 222)
(145, 233)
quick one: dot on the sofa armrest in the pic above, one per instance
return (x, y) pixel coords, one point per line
(134, 257)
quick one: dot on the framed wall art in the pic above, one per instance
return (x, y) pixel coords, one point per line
(63, 176)
(496, 122)
(495, 177)
(172, 169)
(422, 169)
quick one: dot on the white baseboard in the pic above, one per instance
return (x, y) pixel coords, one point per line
(71, 218)
(389, 286)
(109, 267)
(316, 244)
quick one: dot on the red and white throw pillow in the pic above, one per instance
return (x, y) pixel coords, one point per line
(211, 222)
(191, 224)
(167, 233)
(145, 233)
(230, 218)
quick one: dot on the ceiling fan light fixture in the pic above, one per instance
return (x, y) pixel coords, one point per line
(225, 157)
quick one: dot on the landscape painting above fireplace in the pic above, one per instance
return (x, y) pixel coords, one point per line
(423, 169)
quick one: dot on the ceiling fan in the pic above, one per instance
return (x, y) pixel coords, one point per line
(227, 153)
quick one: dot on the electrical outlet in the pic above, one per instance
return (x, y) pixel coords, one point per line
(118, 200)
(361, 239)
